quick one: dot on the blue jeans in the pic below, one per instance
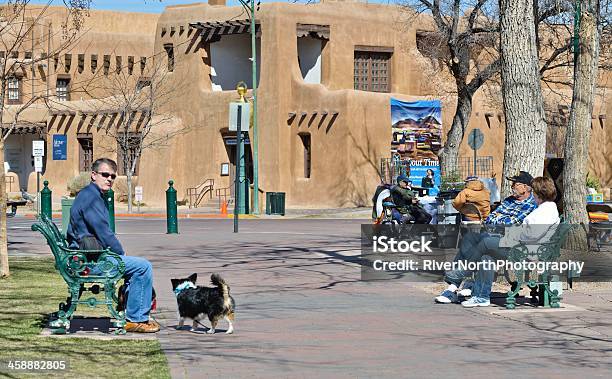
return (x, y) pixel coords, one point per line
(473, 247)
(402, 218)
(484, 278)
(139, 279)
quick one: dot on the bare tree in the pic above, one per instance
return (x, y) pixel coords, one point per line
(138, 104)
(579, 128)
(465, 44)
(19, 20)
(458, 39)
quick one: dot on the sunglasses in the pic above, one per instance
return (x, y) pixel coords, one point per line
(107, 175)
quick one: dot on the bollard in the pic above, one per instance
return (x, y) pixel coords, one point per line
(172, 224)
(45, 201)
(110, 205)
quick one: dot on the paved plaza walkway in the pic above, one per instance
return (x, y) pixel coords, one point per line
(302, 311)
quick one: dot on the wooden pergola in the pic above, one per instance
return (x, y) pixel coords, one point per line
(213, 30)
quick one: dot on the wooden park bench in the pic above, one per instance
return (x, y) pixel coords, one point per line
(95, 271)
(544, 251)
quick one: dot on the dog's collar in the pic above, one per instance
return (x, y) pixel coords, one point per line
(183, 286)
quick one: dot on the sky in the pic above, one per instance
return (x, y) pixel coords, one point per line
(157, 6)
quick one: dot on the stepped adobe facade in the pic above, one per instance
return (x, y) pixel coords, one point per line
(320, 139)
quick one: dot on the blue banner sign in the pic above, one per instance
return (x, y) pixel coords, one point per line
(60, 141)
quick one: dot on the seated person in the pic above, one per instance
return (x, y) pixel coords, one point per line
(407, 205)
(539, 226)
(475, 193)
(89, 229)
(512, 211)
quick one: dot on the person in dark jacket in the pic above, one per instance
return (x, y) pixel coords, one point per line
(89, 229)
(407, 205)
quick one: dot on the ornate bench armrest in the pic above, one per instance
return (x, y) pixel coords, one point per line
(92, 264)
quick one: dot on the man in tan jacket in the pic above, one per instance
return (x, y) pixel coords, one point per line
(475, 193)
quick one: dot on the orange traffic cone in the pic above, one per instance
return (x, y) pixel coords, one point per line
(224, 208)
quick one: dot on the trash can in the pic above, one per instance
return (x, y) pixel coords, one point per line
(275, 203)
(66, 206)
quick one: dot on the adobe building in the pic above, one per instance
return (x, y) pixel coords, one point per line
(326, 75)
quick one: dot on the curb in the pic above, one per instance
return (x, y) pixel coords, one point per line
(162, 215)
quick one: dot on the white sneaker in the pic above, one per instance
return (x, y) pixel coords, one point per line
(466, 288)
(446, 297)
(476, 302)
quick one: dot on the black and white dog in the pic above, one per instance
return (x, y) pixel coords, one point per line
(195, 302)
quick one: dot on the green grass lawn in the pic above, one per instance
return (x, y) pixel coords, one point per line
(33, 291)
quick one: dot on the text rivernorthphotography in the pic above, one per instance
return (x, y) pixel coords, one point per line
(434, 265)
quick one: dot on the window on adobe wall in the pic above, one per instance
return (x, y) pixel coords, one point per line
(305, 137)
(372, 69)
(118, 63)
(62, 89)
(81, 62)
(85, 151)
(170, 53)
(67, 62)
(14, 90)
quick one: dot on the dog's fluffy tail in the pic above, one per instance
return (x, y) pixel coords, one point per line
(218, 281)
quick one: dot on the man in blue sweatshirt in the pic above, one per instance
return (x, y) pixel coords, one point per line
(89, 229)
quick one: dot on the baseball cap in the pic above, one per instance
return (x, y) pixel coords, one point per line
(521, 177)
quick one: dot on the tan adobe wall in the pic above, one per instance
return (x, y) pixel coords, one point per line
(346, 148)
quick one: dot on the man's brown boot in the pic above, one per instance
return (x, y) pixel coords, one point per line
(142, 327)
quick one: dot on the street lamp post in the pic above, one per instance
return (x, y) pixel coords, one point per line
(250, 7)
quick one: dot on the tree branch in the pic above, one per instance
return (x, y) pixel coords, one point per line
(484, 75)
(555, 54)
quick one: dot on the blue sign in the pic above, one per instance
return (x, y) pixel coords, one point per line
(60, 142)
(426, 173)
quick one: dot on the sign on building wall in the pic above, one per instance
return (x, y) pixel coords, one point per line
(417, 138)
(60, 142)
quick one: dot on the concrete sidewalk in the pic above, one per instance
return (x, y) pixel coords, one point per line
(302, 311)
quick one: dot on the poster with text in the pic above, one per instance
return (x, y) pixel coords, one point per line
(426, 174)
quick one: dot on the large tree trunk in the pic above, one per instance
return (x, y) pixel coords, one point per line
(449, 154)
(522, 92)
(4, 263)
(579, 129)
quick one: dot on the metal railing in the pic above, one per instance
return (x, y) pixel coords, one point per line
(484, 166)
(196, 194)
(224, 195)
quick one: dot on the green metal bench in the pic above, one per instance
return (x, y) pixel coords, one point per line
(83, 270)
(546, 251)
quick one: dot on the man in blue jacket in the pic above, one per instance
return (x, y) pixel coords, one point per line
(89, 229)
